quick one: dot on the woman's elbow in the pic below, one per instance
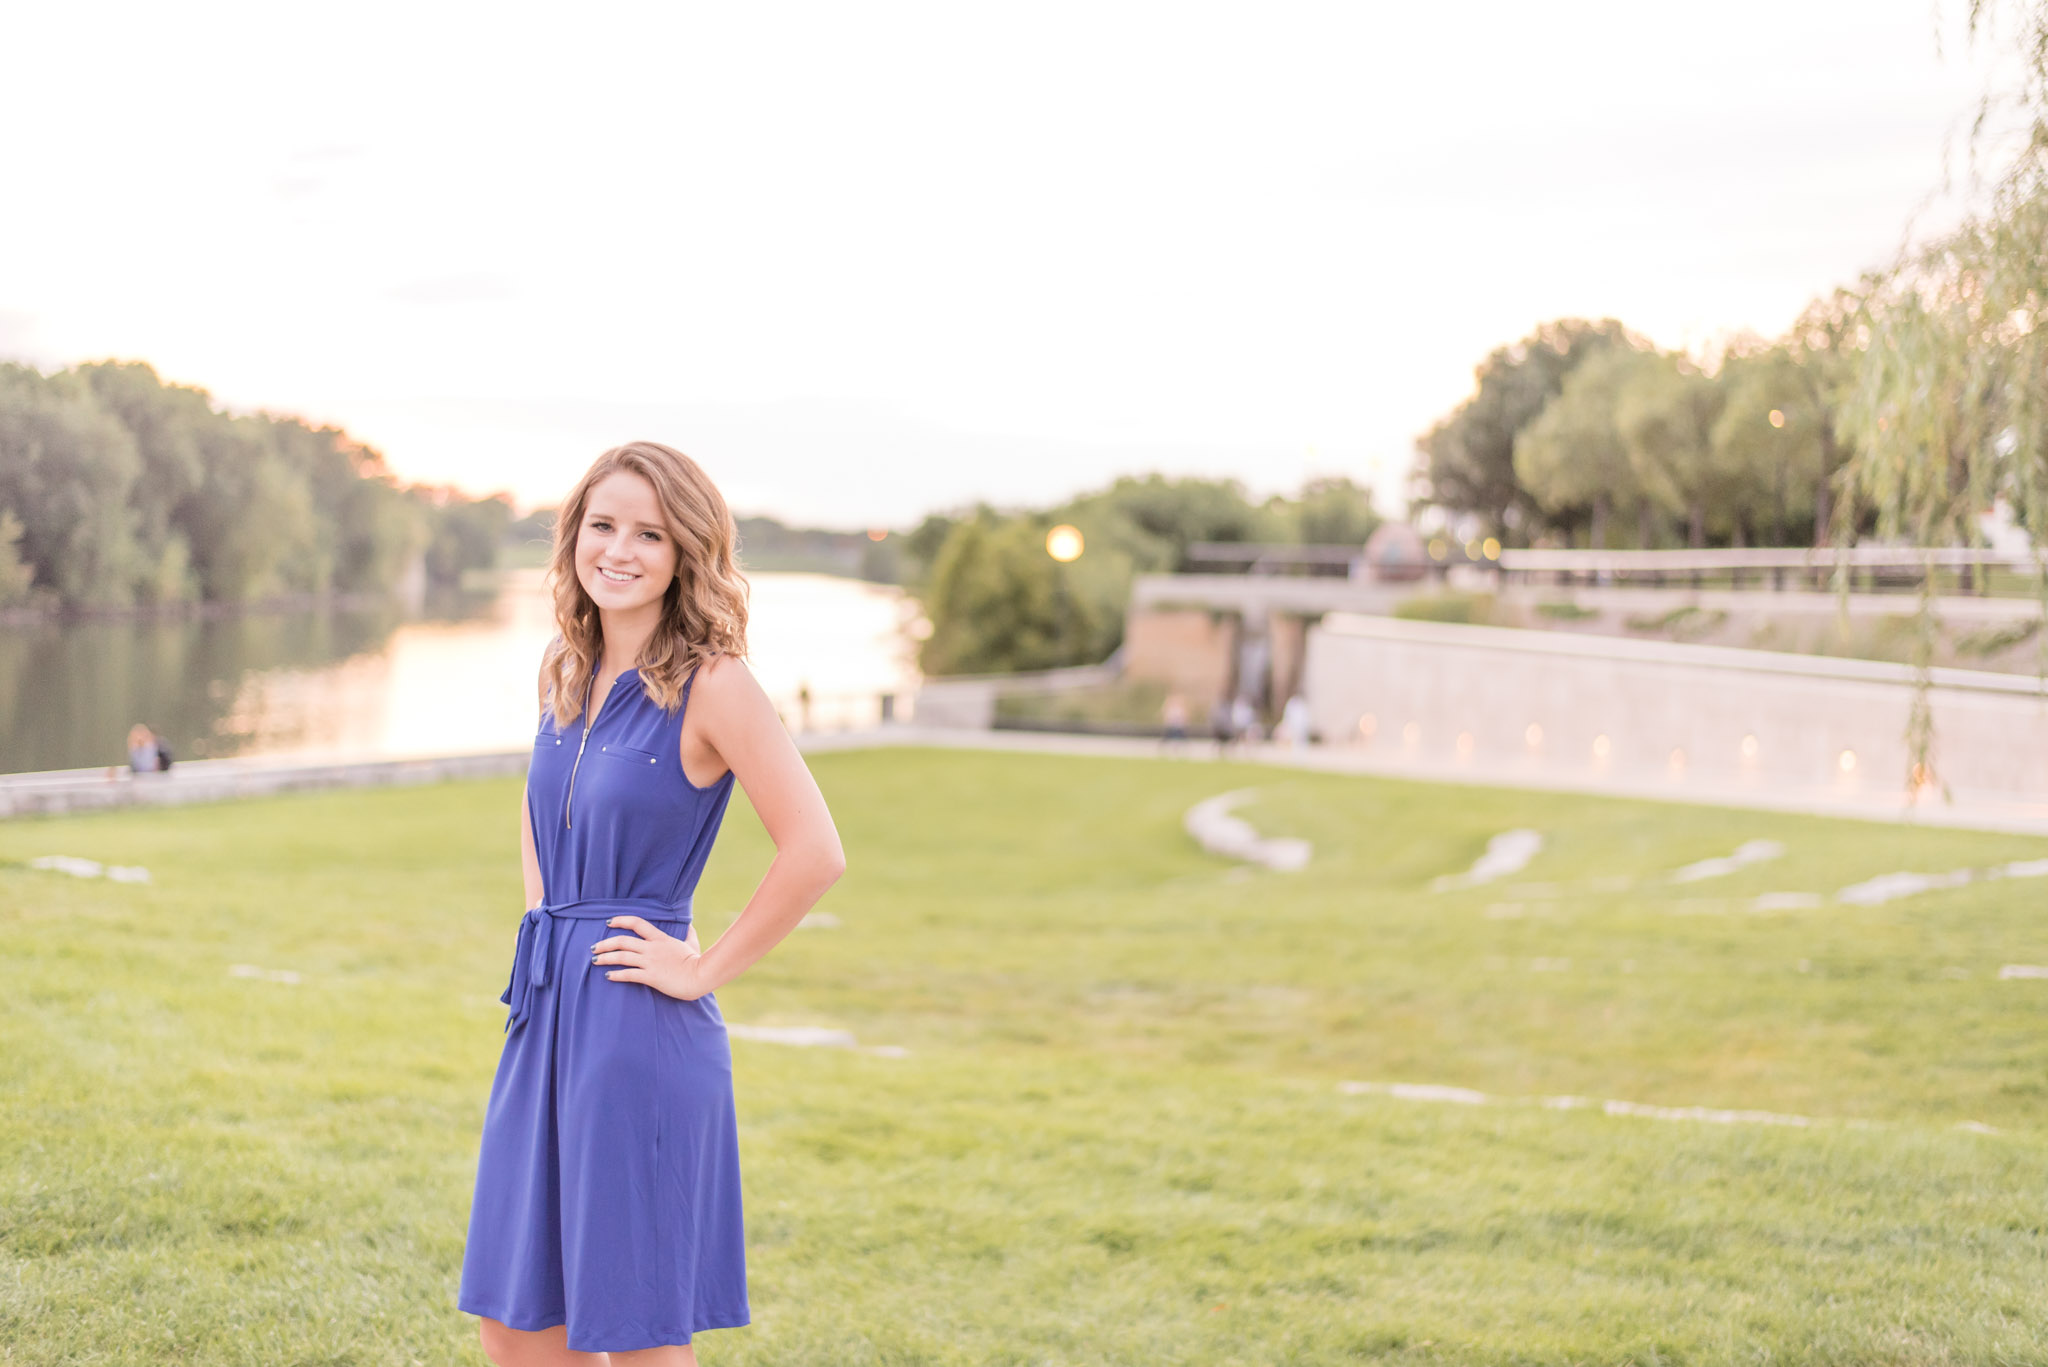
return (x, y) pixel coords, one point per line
(828, 859)
(831, 863)
(816, 857)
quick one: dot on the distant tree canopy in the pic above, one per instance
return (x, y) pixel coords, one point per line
(1584, 434)
(118, 489)
(1571, 462)
(998, 602)
(1468, 458)
(768, 544)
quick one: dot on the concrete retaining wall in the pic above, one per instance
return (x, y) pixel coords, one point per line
(1193, 651)
(1545, 702)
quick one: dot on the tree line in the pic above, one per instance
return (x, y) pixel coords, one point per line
(1585, 434)
(117, 489)
(999, 602)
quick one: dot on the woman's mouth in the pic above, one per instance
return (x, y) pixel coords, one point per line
(617, 576)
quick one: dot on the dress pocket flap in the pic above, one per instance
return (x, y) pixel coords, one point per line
(614, 750)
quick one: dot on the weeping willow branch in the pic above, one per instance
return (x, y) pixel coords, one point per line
(1947, 412)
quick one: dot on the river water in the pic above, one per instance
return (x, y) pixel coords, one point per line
(374, 681)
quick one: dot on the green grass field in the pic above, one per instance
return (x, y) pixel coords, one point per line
(1119, 1134)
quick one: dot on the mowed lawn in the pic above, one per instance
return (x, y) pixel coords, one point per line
(1119, 1134)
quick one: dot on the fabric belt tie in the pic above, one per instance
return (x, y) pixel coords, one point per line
(536, 944)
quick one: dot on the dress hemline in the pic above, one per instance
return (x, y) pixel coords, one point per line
(555, 1319)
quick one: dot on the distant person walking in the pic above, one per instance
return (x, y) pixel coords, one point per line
(1295, 723)
(1219, 726)
(1173, 719)
(1244, 720)
(607, 1213)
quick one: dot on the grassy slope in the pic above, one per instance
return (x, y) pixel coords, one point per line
(1118, 1137)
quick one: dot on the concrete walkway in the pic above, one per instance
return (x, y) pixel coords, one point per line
(213, 780)
(73, 790)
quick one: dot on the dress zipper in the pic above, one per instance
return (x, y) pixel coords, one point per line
(588, 697)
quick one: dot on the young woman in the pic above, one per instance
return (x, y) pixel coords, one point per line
(607, 1212)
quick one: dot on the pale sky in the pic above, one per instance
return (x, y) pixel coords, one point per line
(868, 261)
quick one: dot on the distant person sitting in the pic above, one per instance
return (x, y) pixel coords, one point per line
(1244, 721)
(147, 753)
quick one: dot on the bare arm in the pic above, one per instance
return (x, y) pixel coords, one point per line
(731, 721)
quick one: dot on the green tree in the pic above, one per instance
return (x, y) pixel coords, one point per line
(1826, 343)
(66, 468)
(1947, 411)
(166, 422)
(251, 514)
(921, 547)
(465, 533)
(367, 529)
(1330, 511)
(1776, 438)
(1155, 518)
(537, 528)
(379, 528)
(1666, 414)
(1572, 459)
(998, 603)
(124, 488)
(1468, 458)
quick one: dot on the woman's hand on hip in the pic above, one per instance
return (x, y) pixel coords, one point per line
(660, 960)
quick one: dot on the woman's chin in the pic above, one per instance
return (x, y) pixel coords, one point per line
(617, 597)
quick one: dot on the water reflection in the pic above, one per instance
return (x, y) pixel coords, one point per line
(369, 681)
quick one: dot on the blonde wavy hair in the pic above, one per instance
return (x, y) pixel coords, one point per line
(703, 612)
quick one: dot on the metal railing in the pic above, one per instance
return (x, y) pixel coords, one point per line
(1263, 557)
(1867, 568)
(1876, 568)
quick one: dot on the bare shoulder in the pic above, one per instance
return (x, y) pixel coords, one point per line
(730, 710)
(728, 721)
(724, 684)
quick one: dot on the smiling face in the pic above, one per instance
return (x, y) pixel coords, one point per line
(625, 555)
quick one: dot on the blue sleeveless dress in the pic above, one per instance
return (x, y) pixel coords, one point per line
(608, 1186)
